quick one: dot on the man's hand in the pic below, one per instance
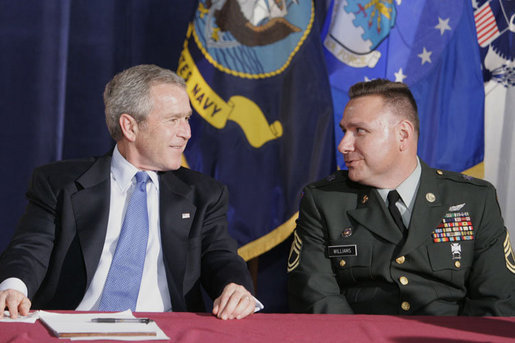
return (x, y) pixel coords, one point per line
(235, 302)
(16, 303)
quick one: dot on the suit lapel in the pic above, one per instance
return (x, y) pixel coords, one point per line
(91, 211)
(427, 213)
(371, 213)
(176, 210)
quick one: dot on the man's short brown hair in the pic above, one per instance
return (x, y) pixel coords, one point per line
(396, 96)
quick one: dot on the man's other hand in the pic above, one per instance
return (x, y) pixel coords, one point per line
(235, 302)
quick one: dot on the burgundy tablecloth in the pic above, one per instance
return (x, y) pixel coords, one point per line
(269, 328)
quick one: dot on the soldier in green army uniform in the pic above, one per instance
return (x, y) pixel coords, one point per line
(392, 235)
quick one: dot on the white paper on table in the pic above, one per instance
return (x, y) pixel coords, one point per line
(61, 323)
(30, 318)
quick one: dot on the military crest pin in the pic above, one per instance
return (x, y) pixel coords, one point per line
(347, 232)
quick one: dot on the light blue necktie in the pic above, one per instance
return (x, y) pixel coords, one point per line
(123, 281)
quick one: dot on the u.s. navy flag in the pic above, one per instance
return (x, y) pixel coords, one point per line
(429, 45)
(256, 78)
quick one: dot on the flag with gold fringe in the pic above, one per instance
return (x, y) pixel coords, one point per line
(263, 122)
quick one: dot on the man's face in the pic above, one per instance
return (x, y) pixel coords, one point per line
(370, 145)
(162, 136)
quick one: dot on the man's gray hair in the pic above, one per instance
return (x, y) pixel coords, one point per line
(129, 92)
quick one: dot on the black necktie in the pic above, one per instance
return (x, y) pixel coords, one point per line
(393, 197)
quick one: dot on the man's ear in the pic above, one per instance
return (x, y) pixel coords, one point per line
(129, 127)
(406, 133)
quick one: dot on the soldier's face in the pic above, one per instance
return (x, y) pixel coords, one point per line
(370, 145)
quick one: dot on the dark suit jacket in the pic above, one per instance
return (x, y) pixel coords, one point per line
(58, 242)
(371, 269)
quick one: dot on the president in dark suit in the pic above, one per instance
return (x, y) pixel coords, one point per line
(73, 248)
(392, 235)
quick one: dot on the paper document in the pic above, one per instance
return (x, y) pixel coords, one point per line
(80, 326)
(30, 318)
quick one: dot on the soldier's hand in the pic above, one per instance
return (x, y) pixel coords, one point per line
(15, 302)
(235, 302)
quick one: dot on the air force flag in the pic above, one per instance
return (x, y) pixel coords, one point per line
(429, 45)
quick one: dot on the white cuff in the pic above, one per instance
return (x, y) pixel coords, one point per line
(14, 283)
(259, 305)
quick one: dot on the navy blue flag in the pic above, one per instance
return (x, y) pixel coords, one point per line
(264, 121)
(431, 46)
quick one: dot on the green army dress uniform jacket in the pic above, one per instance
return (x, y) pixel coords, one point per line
(348, 255)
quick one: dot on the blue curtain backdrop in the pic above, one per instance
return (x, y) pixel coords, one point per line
(56, 57)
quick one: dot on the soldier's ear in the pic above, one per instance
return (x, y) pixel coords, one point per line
(406, 132)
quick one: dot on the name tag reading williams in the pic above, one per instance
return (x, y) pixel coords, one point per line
(342, 250)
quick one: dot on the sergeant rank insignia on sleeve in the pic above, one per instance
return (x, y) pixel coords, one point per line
(508, 254)
(294, 258)
(455, 226)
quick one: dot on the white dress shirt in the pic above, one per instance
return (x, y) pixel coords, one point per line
(153, 294)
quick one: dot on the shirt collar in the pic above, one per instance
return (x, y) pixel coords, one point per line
(123, 171)
(407, 189)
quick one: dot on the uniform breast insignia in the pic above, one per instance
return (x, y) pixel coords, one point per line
(294, 258)
(456, 251)
(342, 250)
(456, 207)
(455, 226)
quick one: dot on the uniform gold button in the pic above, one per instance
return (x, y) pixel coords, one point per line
(342, 263)
(457, 264)
(405, 306)
(403, 280)
(400, 260)
(439, 172)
